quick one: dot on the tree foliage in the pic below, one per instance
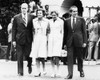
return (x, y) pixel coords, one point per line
(8, 9)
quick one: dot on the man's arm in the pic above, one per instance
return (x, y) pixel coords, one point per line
(65, 33)
(84, 32)
(14, 30)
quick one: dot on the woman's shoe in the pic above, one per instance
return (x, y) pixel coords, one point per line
(58, 75)
(53, 75)
(38, 75)
(44, 73)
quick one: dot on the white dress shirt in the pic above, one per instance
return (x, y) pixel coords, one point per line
(72, 21)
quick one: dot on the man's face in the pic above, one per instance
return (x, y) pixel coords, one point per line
(46, 7)
(24, 8)
(74, 12)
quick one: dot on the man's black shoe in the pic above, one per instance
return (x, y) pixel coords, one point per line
(30, 70)
(20, 74)
(69, 77)
(82, 74)
(38, 75)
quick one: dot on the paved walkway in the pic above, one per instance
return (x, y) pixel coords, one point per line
(8, 71)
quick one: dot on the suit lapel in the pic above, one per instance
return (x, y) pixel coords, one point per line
(28, 17)
(70, 24)
(77, 22)
(21, 19)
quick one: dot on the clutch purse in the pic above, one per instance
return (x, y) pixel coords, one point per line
(63, 53)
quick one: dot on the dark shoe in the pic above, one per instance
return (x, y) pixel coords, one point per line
(86, 59)
(20, 74)
(38, 75)
(29, 65)
(94, 59)
(69, 77)
(30, 70)
(7, 60)
(82, 74)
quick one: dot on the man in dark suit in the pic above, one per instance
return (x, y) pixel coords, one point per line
(75, 40)
(22, 36)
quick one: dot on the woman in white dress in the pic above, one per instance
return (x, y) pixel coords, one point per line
(55, 40)
(39, 46)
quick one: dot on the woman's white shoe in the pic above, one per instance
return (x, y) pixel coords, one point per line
(53, 75)
(44, 73)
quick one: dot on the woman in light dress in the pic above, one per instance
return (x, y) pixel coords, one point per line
(55, 40)
(39, 46)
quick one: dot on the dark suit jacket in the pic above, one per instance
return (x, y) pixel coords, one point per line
(20, 33)
(77, 35)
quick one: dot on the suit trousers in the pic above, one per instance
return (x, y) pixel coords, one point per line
(23, 51)
(8, 54)
(78, 51)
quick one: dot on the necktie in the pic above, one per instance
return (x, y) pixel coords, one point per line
(73, 22)
(24, 19)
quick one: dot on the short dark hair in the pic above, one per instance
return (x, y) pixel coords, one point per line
(54, 12)
(98, 16)
(70, 10)
(46, 5)
(40, 9)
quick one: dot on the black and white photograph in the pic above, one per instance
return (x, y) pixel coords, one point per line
(49, 39)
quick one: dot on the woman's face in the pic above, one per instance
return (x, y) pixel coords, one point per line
(54, 16)
(40, 14)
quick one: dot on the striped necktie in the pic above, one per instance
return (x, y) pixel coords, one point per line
(24, 19)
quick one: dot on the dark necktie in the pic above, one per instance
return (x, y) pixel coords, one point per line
(24, 19)
(73, 22)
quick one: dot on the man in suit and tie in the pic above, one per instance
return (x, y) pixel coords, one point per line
(22, 36)
(75, 40)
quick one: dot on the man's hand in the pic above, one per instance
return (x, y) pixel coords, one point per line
(65, 47)
(97, 44)
(84, 45)
(14, 43)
